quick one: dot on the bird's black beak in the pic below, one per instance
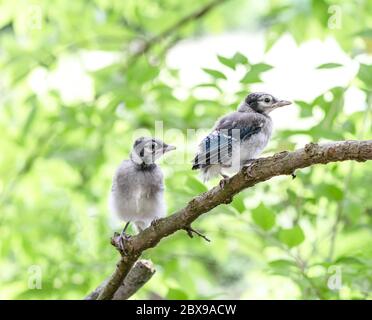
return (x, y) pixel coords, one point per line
(282, 103)
(167, 148)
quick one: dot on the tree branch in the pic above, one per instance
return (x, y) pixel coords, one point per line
(195, 15)
(283, 163)
(142, 271)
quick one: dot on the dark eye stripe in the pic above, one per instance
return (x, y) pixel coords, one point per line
(137, 142)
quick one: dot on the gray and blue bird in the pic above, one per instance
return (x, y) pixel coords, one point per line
(137, 193)
(238, 137)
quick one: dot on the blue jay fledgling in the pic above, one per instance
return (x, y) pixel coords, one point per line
(237, 137)
(137, 187)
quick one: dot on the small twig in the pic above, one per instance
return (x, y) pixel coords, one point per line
(191, 230)
(193, 16)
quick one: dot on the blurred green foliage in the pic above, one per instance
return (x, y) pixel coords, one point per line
(281, 239)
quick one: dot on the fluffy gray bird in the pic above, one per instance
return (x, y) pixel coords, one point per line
(238, 137)
(137, 187)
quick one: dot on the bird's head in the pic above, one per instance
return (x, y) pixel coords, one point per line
(262, 103)
(147, 150)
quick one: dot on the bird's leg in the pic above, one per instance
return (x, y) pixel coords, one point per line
(124, 236)
(125, 228)
(224, 179)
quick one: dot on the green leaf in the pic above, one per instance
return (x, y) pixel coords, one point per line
(349, 260)
(263, 217)
(282, 263)
(364, 33)
(250, 77)
(261, 67)
(208, 85)
(227, 62)
(215, 73)
(282, 267)
(292, 196)
(306, 109)
(195, 185)
(291, 237)
(365, 74)
(253, 75)
(238, 203)
(240, 58)
(330, 191)
(330, 65)
(176, 294)
(232, 62)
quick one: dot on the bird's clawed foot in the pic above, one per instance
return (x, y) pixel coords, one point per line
(190, 231)
(224, 180)
(155, 222)
(119, 241)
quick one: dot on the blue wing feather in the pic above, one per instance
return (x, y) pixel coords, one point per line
(216, 148)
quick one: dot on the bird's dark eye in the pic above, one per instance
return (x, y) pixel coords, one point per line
(151, 146)
(267, 99)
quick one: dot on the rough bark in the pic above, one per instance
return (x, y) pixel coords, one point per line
(141, 272)
(283, 163)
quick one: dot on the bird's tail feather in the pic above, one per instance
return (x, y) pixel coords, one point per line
(210, 172)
